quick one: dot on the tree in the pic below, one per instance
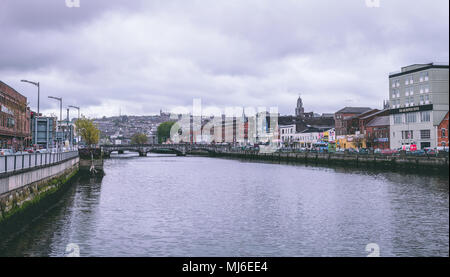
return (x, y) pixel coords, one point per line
(139, 138)
(88, 131)
(164, 131)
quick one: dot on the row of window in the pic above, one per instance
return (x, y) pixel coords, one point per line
(7, 122)
(409, 134)
(409, 80)
(287, 131)
(409, 101)
(424, 116)
(410, 91)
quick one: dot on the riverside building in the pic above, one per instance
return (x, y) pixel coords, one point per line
(418, 96)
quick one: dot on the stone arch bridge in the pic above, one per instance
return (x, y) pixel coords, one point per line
(179, 149)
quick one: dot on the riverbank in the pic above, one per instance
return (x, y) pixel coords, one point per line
(28, 188)
(410, 164)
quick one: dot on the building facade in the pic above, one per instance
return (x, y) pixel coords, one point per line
(419, 101)
(43, 131)
(343, 119)
(287, 133)
(377, 132)
(14, 119)
(443, 132)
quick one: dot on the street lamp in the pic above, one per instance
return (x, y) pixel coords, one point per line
(78, 108)
(60, 109)
(38, 86)
(75, 107)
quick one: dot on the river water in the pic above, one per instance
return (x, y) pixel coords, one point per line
(200, 206)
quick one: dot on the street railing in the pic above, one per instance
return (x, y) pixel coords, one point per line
(12, 163)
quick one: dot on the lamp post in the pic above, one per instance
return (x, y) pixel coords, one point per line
(78, 108)
(38, 86)
(60, 109)
(75, 107)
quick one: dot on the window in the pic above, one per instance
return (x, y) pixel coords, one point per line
(10, 123)
(426, 88)
(398, 119)
(423, 77)
(411, 101)
(443, 133)
(410, 117)
(411, 91)
(425, 116)
(425, 134)
(407, 81)
(407, 134)
(411, 80)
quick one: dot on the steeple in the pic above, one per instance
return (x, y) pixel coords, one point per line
(299, 110)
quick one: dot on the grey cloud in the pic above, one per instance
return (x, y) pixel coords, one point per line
(147, 55)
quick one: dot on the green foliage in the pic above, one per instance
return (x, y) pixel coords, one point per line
(164, 131)
(88, 131)
(139, 138)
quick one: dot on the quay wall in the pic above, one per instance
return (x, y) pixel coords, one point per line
(394, 162)
(20, 189)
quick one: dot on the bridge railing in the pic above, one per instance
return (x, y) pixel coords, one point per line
(13, 163)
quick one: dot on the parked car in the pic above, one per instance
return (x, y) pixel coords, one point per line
(363, 151)
(430, 151)
(5, 152)
(353, 151)
(377, 151)
(29, 150)
(416, 153)
(442, 149)
(389, 151)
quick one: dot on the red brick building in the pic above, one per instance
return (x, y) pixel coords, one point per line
(14, 119)
(442, 132)
(344, 119)
(377, 132)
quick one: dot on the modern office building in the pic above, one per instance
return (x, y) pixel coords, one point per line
(419, 101)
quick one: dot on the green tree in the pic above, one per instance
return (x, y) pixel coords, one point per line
(88, 131)
(164, 131)
(139, 138)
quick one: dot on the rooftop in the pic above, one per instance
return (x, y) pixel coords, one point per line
(379, 121)
(417, 67)
(355, 110)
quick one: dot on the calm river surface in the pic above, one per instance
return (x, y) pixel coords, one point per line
(199, 206)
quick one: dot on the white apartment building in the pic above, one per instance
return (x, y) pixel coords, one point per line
(287, 133)
(419, 100)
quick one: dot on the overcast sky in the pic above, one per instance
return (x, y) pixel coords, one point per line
(138, 57)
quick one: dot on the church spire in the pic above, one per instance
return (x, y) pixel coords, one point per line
(299, 110)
